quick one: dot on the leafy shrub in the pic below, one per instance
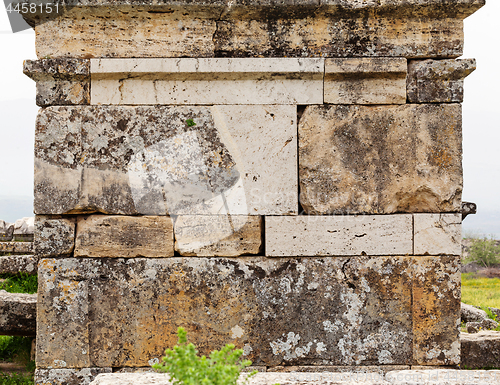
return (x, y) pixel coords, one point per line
(485, 252)
(19, 283)
(187, 368)
(16, 379)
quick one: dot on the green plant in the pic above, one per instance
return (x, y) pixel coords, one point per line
(187, 368)
(16, 379)
(484, 252)
(19, 283)
(190, 123)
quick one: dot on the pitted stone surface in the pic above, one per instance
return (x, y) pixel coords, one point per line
(68, 376)
(122, 236)
(14, 264)
(54, 237)
(380, 159)
(436, 310)
(16, 248)
(437, 234)
(208, 81)
(218, 235)
(17, 314)
(309, 311)
(147, 160)
(309, 235)
(438, 81)
(365, 81)
(480, 350)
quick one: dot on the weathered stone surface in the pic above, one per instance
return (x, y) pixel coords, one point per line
(436, 310)
(339, 29)
(60, 81)
(471, 313)
(208, 81)
(438, 81)
(309, 311)
(6, 231)
(468, 208)
(480, 350)
(436, 234)
(17, 314)
(308, 235)
(126, 237)
(380, 369)
(68, 376)
(54, 236)
(476, 327)
(218, 235)
(16, 247)
(14, 264)
(402, 377)
(147, 160)
(365, 81)
(380, 159)
(24, 229)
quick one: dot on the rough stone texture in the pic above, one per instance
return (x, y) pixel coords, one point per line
(476, 327)
(380, 369)
(339, 29)
(436, 310)
(480, 350)
(16, 247)
(147, 160)
(338, 235)
(17, 314)
(60, 81)
(438, 81)
(471, 313)
(208, 81)
(436, 234)
(6, 231)
(54, 236)
(68, 376)
(402, 377)
(309, 311)
(365, 81)
(220, 235)
(24, 229)
(380, 159)
(127, 237)
(13, 264)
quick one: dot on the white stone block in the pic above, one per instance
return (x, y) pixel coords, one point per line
(365, 81)
(438, 234)
(309, 235)
(207, 81)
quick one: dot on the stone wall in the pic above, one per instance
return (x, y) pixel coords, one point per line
(284, 176)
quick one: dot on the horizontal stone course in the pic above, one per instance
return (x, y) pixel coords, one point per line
(14, 264)
(438, 234)
(17, 314)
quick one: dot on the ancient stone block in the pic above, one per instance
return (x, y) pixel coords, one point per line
(16, 248)
(436, 310)
(148, 160)
(437, 234)
(54, 237)
(17, 314)
(60, 81)
(208, 81)
(14, 264)
(218, 235)
(380, 159)
(308, 235)
(480, 350)
(309, 311)
(68, 376)
(126, 237)
(438, 81)
(365, 81)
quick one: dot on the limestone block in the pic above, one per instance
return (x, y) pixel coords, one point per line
(14, 264)
(16, 247)
(54, 237)
(436, 234)
(147, 160)
(68, 376)
(293, 311)
(207, 81)
(438, 81)
(380, 159)
(365, 81)
(218, 235)
(480, 350)
(107, 236)
(308, 235)
(436, 310)
(60, 81)
(17, 314)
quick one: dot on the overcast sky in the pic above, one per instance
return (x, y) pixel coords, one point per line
(481, 130)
